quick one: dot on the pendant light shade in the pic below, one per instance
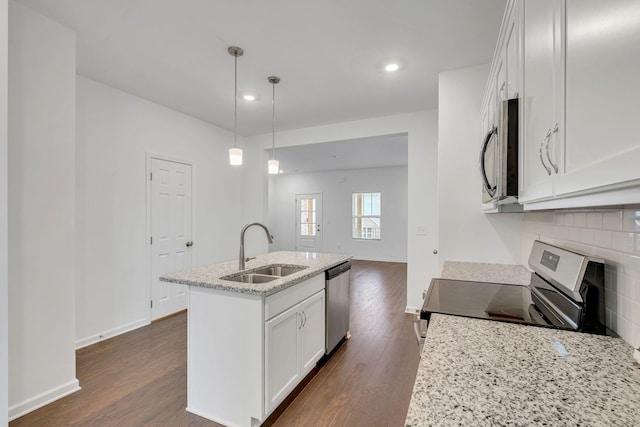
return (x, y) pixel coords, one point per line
(273, 166)
(235, 153)
(235, 156)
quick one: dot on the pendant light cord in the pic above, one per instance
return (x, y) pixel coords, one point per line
(273, 122)
(235, 104)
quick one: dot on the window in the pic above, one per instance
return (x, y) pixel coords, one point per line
(308, 217)
(366, 216)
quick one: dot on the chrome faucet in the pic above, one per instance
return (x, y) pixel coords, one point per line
(266, 230)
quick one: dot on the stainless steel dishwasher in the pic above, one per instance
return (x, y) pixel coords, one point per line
(337, 288)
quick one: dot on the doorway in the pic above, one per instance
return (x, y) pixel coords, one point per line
(170, 232)
(309, 222)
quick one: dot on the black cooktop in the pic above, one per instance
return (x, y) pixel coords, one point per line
(482, 300)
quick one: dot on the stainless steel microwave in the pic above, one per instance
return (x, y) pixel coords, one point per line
(499, 159)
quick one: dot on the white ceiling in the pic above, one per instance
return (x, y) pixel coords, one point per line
(358, 153)
(329, 53)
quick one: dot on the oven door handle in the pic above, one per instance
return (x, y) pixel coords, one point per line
(491, 190)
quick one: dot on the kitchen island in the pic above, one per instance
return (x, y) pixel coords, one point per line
(250, 344)
(212, 276)
(484, 373)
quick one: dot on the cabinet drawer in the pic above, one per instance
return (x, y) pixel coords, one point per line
(279, 302)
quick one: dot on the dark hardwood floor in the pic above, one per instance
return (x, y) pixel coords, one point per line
(139, 378)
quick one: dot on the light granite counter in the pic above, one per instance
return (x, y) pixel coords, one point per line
(484, 373)
(480, 272)
(209, 276)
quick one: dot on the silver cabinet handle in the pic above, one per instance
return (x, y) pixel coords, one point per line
(301, 323)
(542, 144)
(555, 130)
(305, 318)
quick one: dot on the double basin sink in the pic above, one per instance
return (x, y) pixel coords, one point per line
(264, 274)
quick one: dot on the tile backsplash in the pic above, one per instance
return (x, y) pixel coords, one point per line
(612, 234)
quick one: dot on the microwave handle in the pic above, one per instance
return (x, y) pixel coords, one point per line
(483, 171)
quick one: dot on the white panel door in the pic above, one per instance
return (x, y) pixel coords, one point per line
(170, 233)
(309, 222)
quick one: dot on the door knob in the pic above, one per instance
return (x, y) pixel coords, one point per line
(189, 244)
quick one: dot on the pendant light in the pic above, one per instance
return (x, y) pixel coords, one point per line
(235, 153)
(273, 164)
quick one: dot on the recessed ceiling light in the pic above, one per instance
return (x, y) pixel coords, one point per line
(391, 67)
(249, 98)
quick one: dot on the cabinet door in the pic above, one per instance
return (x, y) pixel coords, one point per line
(602, 142)
(282, 372)
(542, 88)
(512, 53)
(312, 339)
(501, 81)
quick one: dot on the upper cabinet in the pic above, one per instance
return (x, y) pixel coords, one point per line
(542, 103)
(580, 108)
(602, 131)
(506, 69)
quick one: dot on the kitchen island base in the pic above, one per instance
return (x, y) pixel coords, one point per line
(247, 352)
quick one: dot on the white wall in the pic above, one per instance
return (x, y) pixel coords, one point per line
(115, 130)
(41, 210)
(466, 233)
(421, 128)
(4, 316)
(336, 188)
(611, 234)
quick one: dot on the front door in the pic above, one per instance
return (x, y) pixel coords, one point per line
(170, 218)
(309, 222)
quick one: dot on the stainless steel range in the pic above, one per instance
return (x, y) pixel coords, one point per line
(566, 292)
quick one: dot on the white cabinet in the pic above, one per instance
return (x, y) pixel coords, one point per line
(602, 141)
(512, 54)
(542, 102)
(580, 109)
(282, 343)
(312, 342)
(247, 352)
(504, 78)
(294, 342)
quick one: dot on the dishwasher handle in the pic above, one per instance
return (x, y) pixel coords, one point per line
(337, 270)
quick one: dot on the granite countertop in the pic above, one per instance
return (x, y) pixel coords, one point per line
(485, 373)
(209, 276)
(480, 272)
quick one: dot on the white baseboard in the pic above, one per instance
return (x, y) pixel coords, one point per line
(411, 309)
(30, 405)
(359, 258)
(84, 342)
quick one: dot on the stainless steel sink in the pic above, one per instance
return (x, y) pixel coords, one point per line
(279, 270)
(250, 278)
